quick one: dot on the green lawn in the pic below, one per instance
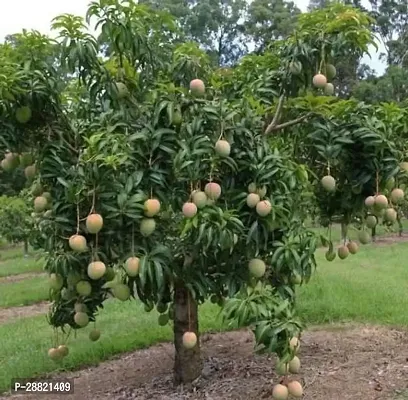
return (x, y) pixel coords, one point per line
(24, 292)
(124, 326)
(370, 286)
(10, 252)
(20, 265)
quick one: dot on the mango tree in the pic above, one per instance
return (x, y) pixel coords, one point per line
(359, 160)
(15, 220)
(393, 126)
(162, 186)
(345, 144)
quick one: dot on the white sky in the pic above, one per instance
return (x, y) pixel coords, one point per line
(37, 14)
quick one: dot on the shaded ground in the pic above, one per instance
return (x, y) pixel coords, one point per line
(343, 363)
(11, 313)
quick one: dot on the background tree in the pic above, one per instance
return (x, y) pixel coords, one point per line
(15, 220)
(270, 20)
(389, 87)
(391, 25)
(218, 26)
(316, 4)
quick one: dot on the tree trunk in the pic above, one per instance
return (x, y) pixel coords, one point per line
(400, 226)
(373, 233)
(187, 363)
(344, 229)
(26, 248)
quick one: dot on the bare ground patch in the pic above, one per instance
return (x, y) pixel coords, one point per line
(10, 314)
(347, 363)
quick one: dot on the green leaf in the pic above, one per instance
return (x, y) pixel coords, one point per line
(63, 182)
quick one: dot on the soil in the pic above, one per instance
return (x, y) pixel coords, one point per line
(11, 313)
(338, 363)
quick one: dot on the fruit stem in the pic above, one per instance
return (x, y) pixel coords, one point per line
(93, 201)
(96, 247)
(377, 182)
(328, 167)
(188, 311)
(211, 171)
(221, 129)
(133, 239)
(323, 56)
(77, 227)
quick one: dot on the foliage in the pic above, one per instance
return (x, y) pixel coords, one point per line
(218, 26)
(385, 88)
(113, 152)
(355, 147)
(391, 25)
(109, 134)
(11, 183)
(270, 20)
(15, 220)
(272, 320)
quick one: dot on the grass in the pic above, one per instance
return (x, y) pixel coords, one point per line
(124, 326)
(20, 265)
(24, 292)
(10, 252)
(367, 287)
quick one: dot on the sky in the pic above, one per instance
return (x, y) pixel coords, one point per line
(37, 14)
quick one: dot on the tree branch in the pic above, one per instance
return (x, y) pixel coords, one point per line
(57, 131)
(288, 123)
(276, 116)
